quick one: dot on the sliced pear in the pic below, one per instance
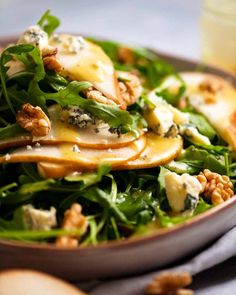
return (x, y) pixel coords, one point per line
(73, 155)
(158, 151)
(83, 60)
(28, 282)
(96, 137)
(55, 171)
(92, 137)
(221, 111)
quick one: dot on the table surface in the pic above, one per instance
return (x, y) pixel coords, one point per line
(171, 25)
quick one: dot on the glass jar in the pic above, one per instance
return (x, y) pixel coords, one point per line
(218, 33)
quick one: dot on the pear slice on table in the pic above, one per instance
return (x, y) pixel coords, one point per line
(82, 60)
(220, 111)
(95, 137)
(158, 151)
(28, 282)
(73, 155)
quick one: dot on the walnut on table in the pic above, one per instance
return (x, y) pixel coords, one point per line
(34, 120)
(170, 283)
(215, 187)
(73, 220)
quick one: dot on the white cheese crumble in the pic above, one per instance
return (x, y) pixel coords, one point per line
(72, 44)
(164, 120)
(34, 35)
(36, 219)
(29, 147)
(75, 44)
(182, 191)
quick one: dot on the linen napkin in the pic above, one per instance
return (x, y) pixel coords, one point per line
(220, 251)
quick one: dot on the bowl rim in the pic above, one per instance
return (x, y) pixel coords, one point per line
(155, 234)
(128, 242)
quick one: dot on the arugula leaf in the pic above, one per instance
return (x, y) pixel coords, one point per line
(16, 223)
(25, 192)
(156, 71)
(185, 166)
(97, 195)
(27, 54)
(11, 131)
(48, 22)
(138, 205)
(153, 69)
(207, 159)
(202, 207)
(233, 170)
(165, 91)
(169, 221)
(90, 178)
(30, 56)
(37, 235)
(31, 172)
(53, 81)
(4, 59)
(161, 183)
(202, 125)
(70, 95)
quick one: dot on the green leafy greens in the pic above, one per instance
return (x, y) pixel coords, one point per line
(49, 23)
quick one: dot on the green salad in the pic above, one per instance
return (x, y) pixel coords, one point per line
(101, 141)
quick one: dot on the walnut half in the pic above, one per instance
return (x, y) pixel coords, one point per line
(34, 120)
(215, 187)
(50, 60)
(170, 283)
(130, 87)
(73, 219)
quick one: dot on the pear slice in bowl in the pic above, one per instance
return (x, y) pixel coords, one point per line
(92, 136)
(215, 98)
(73, 155)
(158, 151)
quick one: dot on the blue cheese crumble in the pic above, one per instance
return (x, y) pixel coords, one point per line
(77, 117)
(34, 35)
(37, 219)
(182, 191)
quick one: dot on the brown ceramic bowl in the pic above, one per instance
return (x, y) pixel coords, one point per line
(134, 255)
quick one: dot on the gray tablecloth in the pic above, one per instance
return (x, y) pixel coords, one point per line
(213, 270)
